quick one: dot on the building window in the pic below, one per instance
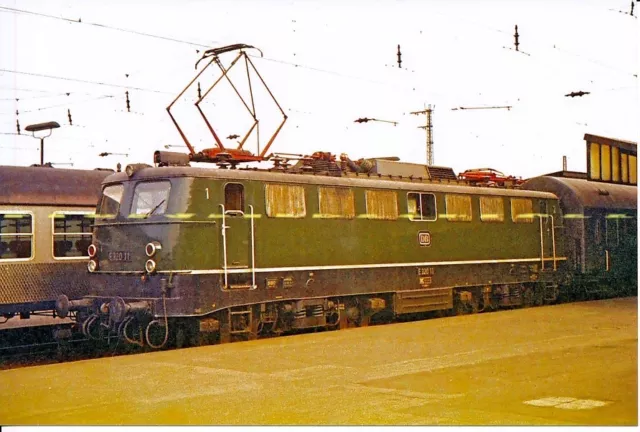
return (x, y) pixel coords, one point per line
(337, 203)
(110, 201)
(234, 198)
(594, 159)
(421, 206)
(16, 236)
(458, 208)
(624, 164)
(381, 204)
(521, 210)
(285, 201)
(71, 234)
(491, 209)
(150, 198)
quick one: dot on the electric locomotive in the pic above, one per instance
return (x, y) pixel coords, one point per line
(239, 252)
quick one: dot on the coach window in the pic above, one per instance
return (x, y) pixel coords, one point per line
(234, 198)
(458, 208)
(110, 201)
(16, 235)
(336, 203)
(150, 198)
(285, 201)
(381, 204)
(521, 210)
(491, 209)
(71, 234)
(421, 206)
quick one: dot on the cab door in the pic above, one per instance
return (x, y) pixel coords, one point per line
(237, 238)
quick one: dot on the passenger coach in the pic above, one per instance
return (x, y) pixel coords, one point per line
(45, 229)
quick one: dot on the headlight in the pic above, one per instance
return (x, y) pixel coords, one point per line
(92, 250)
(152, 247)
(92, 266)
(150, 266)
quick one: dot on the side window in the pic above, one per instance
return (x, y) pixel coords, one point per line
(491, 209)
(285, 201)
(16, 235)
(150, 198)
(110, 201)
(521, 210)
(234, 197)
(337, 203)
(421, 206)
(381, 204)
(71, 234)
(458, 208)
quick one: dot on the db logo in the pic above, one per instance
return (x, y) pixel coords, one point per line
(424, 238)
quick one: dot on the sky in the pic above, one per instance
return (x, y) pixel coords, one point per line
(327, 63)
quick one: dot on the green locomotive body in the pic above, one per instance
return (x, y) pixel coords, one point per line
(238, 252)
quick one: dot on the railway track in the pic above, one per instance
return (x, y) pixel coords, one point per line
(31, 348)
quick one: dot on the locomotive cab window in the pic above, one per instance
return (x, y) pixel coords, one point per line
(491, 209)
(16, 236)
(150, 198)
(521, 210)
(234, 198)
(71, 235)
(110, 202)
(336, 203)
(458, 208)
(421, 206)
(285, 201)
(381, 204)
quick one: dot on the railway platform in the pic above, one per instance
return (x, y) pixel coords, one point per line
(569, 364)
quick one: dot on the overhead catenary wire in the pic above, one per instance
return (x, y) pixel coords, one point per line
(79, 21)
(84, 81)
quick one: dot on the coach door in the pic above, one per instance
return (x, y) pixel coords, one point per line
(237, 238)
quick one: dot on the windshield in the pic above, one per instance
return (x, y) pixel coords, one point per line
(150, 198)
(110, 202)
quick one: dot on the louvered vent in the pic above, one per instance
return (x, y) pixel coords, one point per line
(441, 173)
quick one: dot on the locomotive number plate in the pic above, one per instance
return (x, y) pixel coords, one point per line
(119, 256)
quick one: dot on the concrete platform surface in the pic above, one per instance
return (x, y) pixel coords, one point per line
(571, 364)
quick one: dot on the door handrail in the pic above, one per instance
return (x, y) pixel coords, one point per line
(541, 243)
(224, 246)
(553, 242)
(253, 251)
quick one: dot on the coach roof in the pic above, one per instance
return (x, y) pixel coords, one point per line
(50, 186)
